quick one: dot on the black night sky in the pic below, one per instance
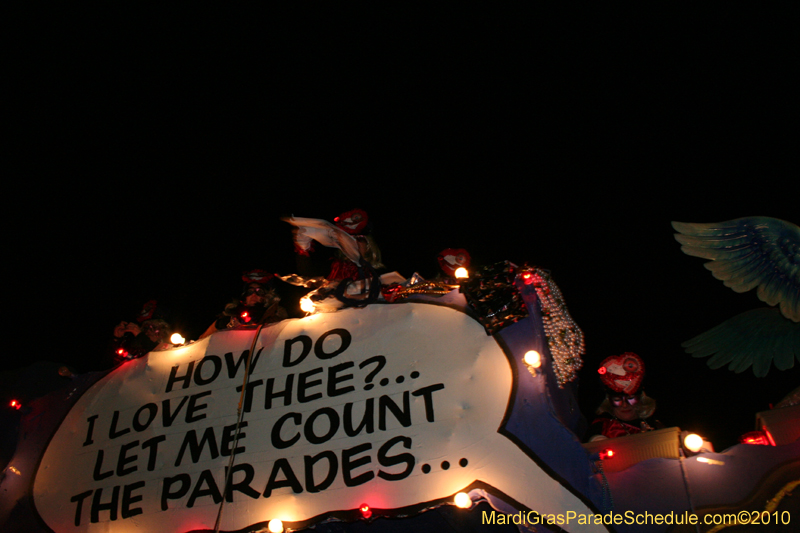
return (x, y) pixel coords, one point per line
(154, 155)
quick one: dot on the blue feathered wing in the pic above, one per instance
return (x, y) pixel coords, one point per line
(748, 253)
(759, 338)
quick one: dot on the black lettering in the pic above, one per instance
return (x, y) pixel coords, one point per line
(110, 506)
(282, 465)
(334, 379)
(141, 426)
(333, 468)
(196, 448)
(78, 499)
(124, 459)
(277, 442)
(348, 465)
(183, 489)
(302, 385)
(286, 393)
(242, 486)
(153, 445)
(198, 373)
(248, 395)
(193, 407)
(427, 394)
(233, 369)
(89, 432)
(112, 432)
(342, 333)
(206, 478)
(228, 436)
(168, 417)
(287, 350)
(391, 460)
(98, 465)
(186, 378)
(367, 421)
(333, 425)
(404, 416)
(128, 498)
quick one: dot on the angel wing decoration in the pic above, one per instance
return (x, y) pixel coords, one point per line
(748, 253)
(326, 234)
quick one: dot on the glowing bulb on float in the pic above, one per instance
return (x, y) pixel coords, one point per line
(366, 512)
(533, 358)
(693, 442)
(306, 305)
(608, 453)
(275, 526)
(176, 338)
(463, 500)
(461, 273)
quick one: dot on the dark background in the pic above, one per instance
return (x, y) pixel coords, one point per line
(154, 154)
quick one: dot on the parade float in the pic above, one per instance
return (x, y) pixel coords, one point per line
(429, 405)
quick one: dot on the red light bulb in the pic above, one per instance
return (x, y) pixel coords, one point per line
(366, 512)
(607, 453)
(754, 437)
(602, 370)
(15, 404)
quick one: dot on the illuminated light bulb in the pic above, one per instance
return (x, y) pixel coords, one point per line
(693, 442)
(533, 358)
(607, 454)
(461, 273)
(245, 316)
(463, 500)
(602, 370)
(275, 526)
(15, 404)
(306, 305)
(366, 512)
(754, 437)
(177, 339)
(527, 277)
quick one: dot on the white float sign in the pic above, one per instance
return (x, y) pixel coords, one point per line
(390, 405)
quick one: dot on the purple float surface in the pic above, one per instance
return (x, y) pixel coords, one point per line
(17, 510)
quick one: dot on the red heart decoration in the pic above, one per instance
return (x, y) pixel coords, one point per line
(460, 258)
(622, 373)
(353, 222)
